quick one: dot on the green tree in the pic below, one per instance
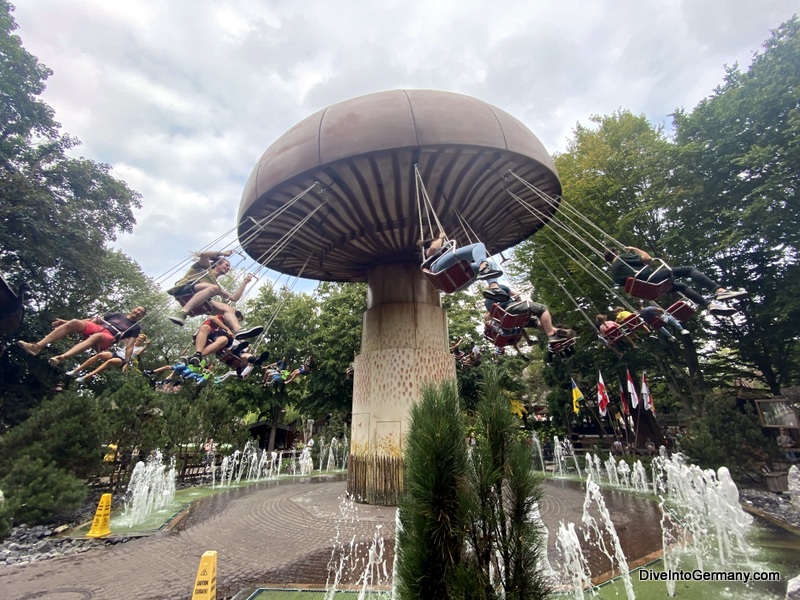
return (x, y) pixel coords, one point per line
(432, 511)
(737, 181)
(57, 213)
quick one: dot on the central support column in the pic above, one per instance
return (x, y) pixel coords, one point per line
(404, 345)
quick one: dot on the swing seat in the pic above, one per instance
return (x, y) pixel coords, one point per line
(204, 309)
(233, 361)
(452, 279)
(501, 337)
(564, 349)
(682, 310)
(507, 319)
(639, 288)
(613, 333)
(456, 277)
(633, 323)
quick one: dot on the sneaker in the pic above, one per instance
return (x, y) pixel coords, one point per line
(72, 373)
(685, 332)
(248, 333)
(730, 294)
(496, 295)
(238, 347)
(81, 379)
(195, 359)
(260, 359)
(147, 373)
(488, 272)
(54, 361)
(29, 347)
(721, 310)
(179, 318)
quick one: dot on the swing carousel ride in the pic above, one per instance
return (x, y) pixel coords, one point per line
(348, 194)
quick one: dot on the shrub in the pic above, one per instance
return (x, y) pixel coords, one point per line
(38, 492)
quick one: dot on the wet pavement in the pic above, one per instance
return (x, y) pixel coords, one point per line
(275, 533)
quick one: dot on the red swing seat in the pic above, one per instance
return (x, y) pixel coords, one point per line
(456, 277)
(682, 310)
(614, 333)
(633, 323)
(563, 346)
(639, 288)
(507, 320)
(501, 337)
(643, 288)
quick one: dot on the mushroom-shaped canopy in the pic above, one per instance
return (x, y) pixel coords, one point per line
(362, 153)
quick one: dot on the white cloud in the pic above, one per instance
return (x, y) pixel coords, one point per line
(181, 98)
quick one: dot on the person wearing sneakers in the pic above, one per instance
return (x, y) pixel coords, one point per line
(109, 358)
(474, 254)
(98, 333)
(509, 300)
(634, 262)
(200, 282)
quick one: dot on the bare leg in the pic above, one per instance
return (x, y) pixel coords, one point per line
(201, 339)
(81, 346)
(217, 344)
(93, 359)
(294, 374)
(113, 362)
(60, 331)
(228, 314)
(546, 323)
(204, 292)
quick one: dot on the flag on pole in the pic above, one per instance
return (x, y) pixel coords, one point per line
(632, 391)
(602, 395)
(576, 397)
(647, 399)
(623, 403)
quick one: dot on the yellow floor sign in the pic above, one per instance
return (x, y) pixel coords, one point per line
(205, 584)
(102, 518)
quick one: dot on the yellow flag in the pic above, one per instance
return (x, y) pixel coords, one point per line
(576, 397)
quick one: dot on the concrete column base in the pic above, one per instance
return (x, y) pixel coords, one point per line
(404, 345)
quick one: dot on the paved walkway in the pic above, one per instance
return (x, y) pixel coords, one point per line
(268, 533)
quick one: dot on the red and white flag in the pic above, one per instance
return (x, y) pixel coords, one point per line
(632, 391)
(647, 399)
(602, 395)
(623, 402)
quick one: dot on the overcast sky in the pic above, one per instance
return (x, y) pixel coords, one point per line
(181, 97)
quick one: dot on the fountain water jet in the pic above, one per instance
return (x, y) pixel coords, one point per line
(151, 487)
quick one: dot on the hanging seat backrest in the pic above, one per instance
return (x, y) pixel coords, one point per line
(682, 310)
(508, 318)
(645, 289)
(204, 309)
(613, 332)
(230, 359)
(633, 323)
(501, 337)
(456, 277)
(564, 348)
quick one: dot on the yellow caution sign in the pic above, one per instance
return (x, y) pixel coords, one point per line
(205, 584)
(102, 518)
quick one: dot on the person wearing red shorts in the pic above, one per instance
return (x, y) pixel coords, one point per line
(98, 333)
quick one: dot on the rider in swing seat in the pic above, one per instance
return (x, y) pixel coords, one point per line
(200, 283)
(513, 304)
(474, 254)
(636, 263)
